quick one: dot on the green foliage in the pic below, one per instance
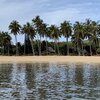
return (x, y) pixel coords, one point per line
(98, 50)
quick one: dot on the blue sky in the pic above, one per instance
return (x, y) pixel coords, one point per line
(51, 11)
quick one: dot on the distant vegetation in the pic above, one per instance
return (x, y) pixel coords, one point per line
(84, 38)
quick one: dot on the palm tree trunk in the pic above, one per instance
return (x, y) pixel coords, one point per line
(3, 50)
(40, 46)
(99, 42)
(90, 50)
(8, 49)
(17, 53)
(32, 46)
(46, 46)
(67, 46)
(25, 45)
(57, 48)
(82, 49)
(28, 41)
(78, 49)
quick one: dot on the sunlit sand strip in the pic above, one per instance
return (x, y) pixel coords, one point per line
(50, 59)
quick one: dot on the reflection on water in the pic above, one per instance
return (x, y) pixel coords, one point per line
(49, 82)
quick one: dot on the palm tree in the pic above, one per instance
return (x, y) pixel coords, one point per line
(15, 29)
(23, 31)
(95, 34)
(6, 41)
(55, 34)
(66, 31)
(98, 34)
(46, 33)
(79, 36)
(29, 30)
(39, 26)
(90, 29)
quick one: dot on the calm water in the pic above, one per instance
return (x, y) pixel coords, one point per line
(49, 82)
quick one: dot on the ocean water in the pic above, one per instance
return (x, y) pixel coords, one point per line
(49, 81)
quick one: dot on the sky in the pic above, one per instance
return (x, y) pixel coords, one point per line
(51, 11)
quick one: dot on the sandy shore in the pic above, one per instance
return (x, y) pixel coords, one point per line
(51, 59)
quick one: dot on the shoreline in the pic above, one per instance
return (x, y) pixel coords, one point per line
(50, 59)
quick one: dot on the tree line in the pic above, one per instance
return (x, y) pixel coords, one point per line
(82, 38)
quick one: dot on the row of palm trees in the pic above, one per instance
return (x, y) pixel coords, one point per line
(78, 33)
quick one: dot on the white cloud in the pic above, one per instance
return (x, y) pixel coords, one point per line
(52, 11)
(58, 16)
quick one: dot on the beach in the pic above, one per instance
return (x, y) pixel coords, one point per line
(50, 59)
